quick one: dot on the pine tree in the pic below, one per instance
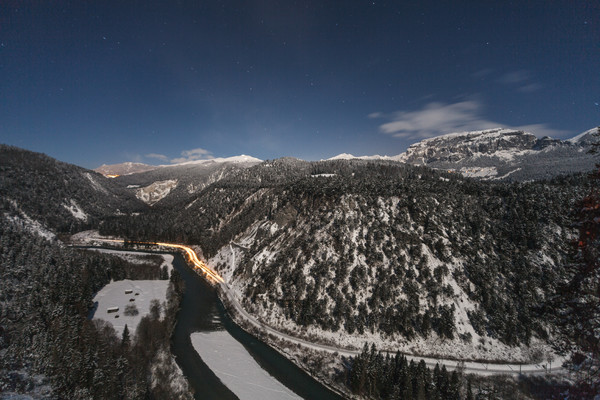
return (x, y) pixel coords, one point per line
(469, 391)
(125, 339)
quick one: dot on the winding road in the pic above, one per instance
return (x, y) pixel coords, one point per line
(474, 367)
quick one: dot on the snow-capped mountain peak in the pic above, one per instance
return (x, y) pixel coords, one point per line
(342, 156)
(346, 156)
(586, 137)
(243, 158)
(500, 153)
(128, 168)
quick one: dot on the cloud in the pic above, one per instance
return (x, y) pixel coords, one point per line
(193, 155)
(374, 115)
(519, 80)
(161, 157)
(530, 88)
(439, 118)
(483, 73)
(514, 77)
(436, 119)
(541, 130)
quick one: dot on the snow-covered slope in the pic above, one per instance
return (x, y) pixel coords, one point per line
(503, 154)
(498, 154)
(179, 183)
(398, 256)
(129, 168)
(126, 168)
(346, 156)
(220, 160)
(155, 192)
(60, 196)
(587, 137)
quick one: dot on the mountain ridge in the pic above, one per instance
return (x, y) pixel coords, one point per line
(130, 168)
(499, 154)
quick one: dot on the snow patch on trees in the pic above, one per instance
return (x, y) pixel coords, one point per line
(28, 224)
(76, 211)
(95, 183)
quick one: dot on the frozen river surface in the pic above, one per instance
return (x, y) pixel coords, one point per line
(236, 368)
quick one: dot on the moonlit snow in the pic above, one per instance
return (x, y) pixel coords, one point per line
(113, 295)
(236, 368)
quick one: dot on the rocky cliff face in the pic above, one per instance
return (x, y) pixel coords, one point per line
(459, 146)
(504, 154)
(126, 168)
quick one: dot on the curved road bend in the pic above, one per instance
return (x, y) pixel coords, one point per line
(469, 366)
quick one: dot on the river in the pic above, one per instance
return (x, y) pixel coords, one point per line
(202, 311)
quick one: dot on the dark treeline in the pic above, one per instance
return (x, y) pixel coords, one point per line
(376, 376)
(373, 375)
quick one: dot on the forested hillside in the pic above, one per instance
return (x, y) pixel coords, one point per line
(341, 251)
(60, 196)
(184, 181)
(382, 249)
(48, 347)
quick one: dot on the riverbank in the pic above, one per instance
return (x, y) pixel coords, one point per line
(295, 348)
(202, 311)
(311, 361)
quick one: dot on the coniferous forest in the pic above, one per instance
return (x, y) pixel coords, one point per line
(46, 292)
(353, 248)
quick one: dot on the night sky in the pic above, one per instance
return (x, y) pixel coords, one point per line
(92, 82)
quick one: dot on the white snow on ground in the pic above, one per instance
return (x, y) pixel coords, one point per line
(155, 192)
(95, 184)
(236, 368)
(28, 224)
(482, 348)
(480, 368)
(508, 173)
(346, 156)
(578, 138)
(86, 237)
(32, 226)
(477, 172)
(76, 210)
(136, 257)
(113, 295)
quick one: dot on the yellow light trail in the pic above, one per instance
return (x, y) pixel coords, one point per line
(198, 264)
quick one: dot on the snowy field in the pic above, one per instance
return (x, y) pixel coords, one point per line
(113, 295)
(236, 368)
(136, 257)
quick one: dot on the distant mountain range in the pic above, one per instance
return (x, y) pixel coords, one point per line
(497, 154)
(129, 168)
(504, 154)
